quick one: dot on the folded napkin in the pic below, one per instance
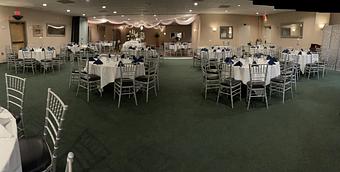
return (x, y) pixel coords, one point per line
(122, 56)
(138, 60)
(309, 53)
(142, 49)
(149, 48)
(227, 49)
(285, 51)
(92, 59)
(214, 51)
(239, 63)
(301, 49)
(254, 62)
(43, 49)
(300, 53)
(228, 60)
(98, 62)
(218, 48)
(271, 61)
(120, 64)
(265, 48)
(223, 50)
(205, 49)
(212, 47)
(32, 49)
(249, 44)
(109, 55)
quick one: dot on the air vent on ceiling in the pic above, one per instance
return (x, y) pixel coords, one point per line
(224, 6)
(66, 1)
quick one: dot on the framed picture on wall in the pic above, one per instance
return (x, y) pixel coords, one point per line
(55, 30)
(37, 31)
(226, 32)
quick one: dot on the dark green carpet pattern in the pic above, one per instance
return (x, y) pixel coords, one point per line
(179, 131)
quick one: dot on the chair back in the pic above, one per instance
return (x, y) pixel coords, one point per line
(258, 72)
(128, 70)
(69, 162)
(55, 111)
(15, 91)
(26, 54)
(226, 72)
(48, 55)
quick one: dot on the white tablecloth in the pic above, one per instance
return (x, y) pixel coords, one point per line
(10, 160)
(37, 54)
(109, 71)
(242, 73)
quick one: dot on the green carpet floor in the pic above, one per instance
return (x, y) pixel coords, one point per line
(179, 131)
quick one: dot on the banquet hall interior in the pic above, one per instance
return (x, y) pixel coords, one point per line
(169, 86)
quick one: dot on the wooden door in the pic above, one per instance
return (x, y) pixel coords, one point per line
(18, 35)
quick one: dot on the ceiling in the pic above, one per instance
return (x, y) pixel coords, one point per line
(303, 5)
(143, 7)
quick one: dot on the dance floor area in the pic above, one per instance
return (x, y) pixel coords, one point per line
(179, 131)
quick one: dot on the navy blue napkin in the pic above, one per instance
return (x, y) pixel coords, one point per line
(309, 53)
(218, 48)
(120, 64)
(272, 46)
(98, 62)
(269, 57)
(228, 60)
(32, 49)
(109, 55)
(254, 62)
(227, 49)
(205, 49)
(212, 47)
(122, 56)
(43, 49)
(214, 51)
(142, 49)
(265, 47)
(137, 60)
(285, 51)
(223, 50)
(271, 61)
(300, 53)
(239, 63)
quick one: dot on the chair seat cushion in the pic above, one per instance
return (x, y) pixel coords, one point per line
(91, 77)
(231, 83)
(75, 71)
(256, 84)
(124, 81)
(279, 79)
(212, 71)
(56, 59)
(212, 77)
(142, 78)
(35, 155)
(46, 60)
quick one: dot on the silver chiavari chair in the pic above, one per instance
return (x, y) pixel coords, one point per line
(46, 63)
(228, 85)
(15, 91)
(69, 162)
(210, 80)
(41, 153)
(149, 80)
(29, 61)
(256, 87)
(86, 80)
(283, 83)
(125, 84)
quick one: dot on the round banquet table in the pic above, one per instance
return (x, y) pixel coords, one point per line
(37, 54)
(303, 59)
(109, 71)
(10, 160)
(242, 73)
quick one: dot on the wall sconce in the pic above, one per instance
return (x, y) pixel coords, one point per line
(195, 30)
(321, 26)
(214, 29)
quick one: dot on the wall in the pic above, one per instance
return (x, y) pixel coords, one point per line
(312, 33)
(83, 30)
(208, 37)
(33, 17)
(334, 19)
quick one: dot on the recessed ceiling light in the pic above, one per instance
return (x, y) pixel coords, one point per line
(115, 12)
(103, 6)
(196, 3)
(154, 15)
(68, 11)
(257, 13)
(94, 17)
(190, 11)
(122, 16)
(238, 5)
(44, 5)
(84, 14)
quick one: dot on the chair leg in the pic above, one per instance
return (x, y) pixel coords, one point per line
(119, 97)
(134, 94)
(155, 88)
(147, 93)
(265, 97)
(232, 101)
(218, 95)
(205, 92)
(88, 92)
(249, 98)
(78, 88)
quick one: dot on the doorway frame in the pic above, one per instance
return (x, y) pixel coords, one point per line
(25, 31)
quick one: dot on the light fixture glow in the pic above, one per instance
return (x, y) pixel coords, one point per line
(154, 15)
(122, 16)
(94, 17)
(68, 11)
(115, 12)
(44, 5)
(238, 5)
(104, 6)
(257, 13)
(196, 3)
(84, 14)
(190, 11)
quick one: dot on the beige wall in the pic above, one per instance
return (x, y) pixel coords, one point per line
(208, 37)
(33, 17)
(312, 33)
